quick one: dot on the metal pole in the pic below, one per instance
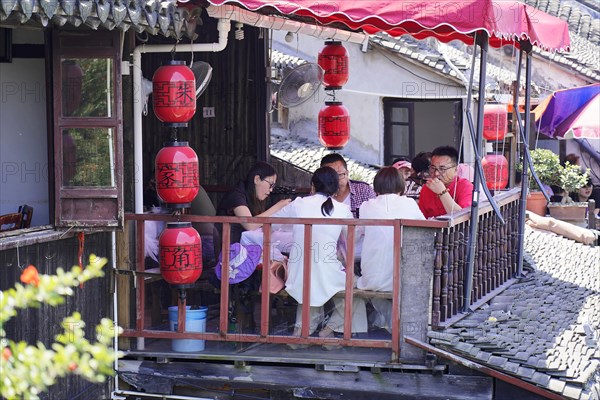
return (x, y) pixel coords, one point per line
(482, 42)
(525, 48)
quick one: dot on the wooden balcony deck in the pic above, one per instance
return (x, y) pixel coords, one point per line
(429, 282)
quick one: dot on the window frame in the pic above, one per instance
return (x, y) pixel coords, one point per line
(87, 207)
(388, 106)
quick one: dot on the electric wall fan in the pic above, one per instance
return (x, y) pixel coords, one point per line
(203, 73)
(300, 84)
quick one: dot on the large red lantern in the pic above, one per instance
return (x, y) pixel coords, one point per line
(495, 170)
(333, 58)
(334, 125)
(177, 174)
(180, 253)
(495, 121)
(174, 94)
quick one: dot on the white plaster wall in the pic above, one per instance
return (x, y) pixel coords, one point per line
(23, 140)
(372, 77)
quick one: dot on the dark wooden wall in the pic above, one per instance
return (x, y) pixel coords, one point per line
(93, 301)
(229, 143)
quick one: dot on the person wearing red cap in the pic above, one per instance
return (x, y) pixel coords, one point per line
(404, 166)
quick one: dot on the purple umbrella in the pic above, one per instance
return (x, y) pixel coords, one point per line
(574, 112)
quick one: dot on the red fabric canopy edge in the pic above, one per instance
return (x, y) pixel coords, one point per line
(505, 21)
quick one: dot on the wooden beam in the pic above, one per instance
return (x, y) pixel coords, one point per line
(123, 283)
(199, 378)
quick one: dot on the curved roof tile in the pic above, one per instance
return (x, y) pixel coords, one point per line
(153, 16)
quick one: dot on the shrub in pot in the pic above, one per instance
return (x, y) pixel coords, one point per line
(547, 167)
(571, 178)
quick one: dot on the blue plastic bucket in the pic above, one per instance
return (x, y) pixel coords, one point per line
(195, 321)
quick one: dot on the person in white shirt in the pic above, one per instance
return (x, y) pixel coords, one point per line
(376, 262)
(328, 274)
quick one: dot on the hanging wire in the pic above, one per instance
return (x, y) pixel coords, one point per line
(174, 49)
(503, 147)
(191, 47)
(469, 98)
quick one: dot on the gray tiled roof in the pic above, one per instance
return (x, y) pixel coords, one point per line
(584, 57)
(581, 15)
(423, 51)
(283, 61)
(153, 16)
(544, 329)
(307, 155)
(584, 28)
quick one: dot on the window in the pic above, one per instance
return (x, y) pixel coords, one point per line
(399, 137)
(87, 130)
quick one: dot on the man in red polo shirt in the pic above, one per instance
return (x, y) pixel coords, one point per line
(444, 191)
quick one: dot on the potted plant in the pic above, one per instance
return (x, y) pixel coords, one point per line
(571, 178)
(547, 167)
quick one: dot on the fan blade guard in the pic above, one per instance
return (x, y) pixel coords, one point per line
(203, 74)
(300, 84)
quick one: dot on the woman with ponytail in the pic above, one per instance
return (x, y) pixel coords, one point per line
(328, 274)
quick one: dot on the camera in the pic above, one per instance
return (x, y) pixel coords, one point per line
(424, 175)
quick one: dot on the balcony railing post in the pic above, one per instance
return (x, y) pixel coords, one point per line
(444, 292)
(396, 292)
(140, 293)
(437, 316)
(305, 331)
(224, 306)
(265, 297)
(349, 295)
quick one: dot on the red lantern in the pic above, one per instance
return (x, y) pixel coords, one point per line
(177, 174)
(333, 58)
(180, 253)
(495, 170)
(174, 94)
(334, 125)
(495, 121)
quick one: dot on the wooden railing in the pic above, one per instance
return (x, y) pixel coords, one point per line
(431, 255)
(495, 258)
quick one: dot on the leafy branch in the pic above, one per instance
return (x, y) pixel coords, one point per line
(29, 370)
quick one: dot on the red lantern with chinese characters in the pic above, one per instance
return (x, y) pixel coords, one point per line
(177, 174)
(174, 94)
(180, 253)
(333, 58)
(334, 125)
(495, 121)
(495, 170)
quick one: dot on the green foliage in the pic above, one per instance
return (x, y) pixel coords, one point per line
(572, 178)
(547, 167)
(92, 157)
(28, 370)
(87, 151)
